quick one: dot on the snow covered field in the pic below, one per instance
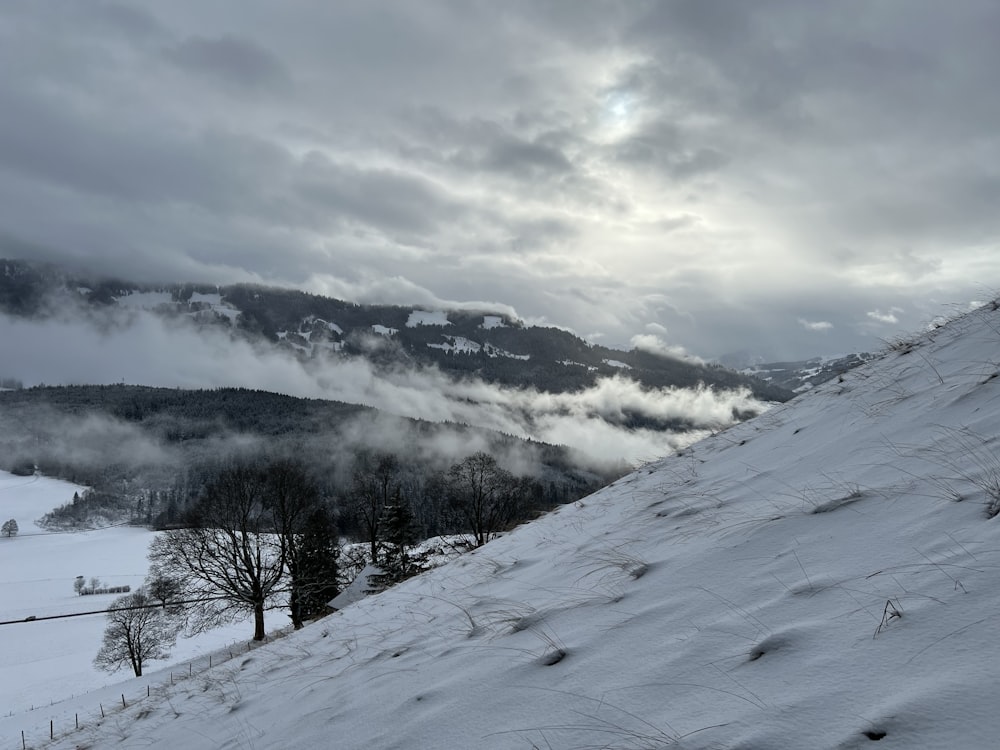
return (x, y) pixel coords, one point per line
(46, 661)
(825, 576)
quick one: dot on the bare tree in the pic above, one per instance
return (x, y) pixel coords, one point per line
(229, 558)
(164, 590)
(9, 528)
(483, 494)
(376, 484)
(138, 631)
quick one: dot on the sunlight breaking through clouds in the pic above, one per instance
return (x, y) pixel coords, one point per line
(568, 161)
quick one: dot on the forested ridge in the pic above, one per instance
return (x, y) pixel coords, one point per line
(509, 352)
(147, 453)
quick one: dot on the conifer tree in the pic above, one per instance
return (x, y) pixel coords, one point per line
(317, 558)
(398, 534)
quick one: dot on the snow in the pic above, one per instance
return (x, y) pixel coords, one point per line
(25, 499)
(616, 363)
(155, 300)
(355, 592)
(496, 351)
(571, 363)
(819, 577)
(462, 345)
(212, 300)
(305, 340)
(382, 330)
(230, 312)
(216, 305)
(493, 321)
(458, 345)
(310, 321)
(427, 318)
(48, 661)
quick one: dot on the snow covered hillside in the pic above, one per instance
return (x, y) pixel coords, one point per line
(824, 576)
(49, 660)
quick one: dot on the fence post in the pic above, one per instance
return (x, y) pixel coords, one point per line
(77, 721)
(123, 701)
(147, 691)
(52, 730)
(23, 746)
(102, 709)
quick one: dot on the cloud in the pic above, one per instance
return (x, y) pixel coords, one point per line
(231, 60)
(144, 349)
(884, 317)
(90, 439)
(399, 291)
(654, 344)
(817, 325)
(570, 161)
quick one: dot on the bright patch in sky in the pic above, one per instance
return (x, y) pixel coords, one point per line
(751, 165)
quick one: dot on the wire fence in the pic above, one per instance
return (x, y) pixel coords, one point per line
(158, 685)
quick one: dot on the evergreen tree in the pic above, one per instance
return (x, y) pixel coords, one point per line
(398, 534)
(295, 505)
(317, 561)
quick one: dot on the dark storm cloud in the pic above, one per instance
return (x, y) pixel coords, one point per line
(753, 164)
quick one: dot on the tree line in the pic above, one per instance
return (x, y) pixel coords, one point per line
(146, 453)
(262, 535)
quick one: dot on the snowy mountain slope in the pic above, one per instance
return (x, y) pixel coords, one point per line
(823, 576)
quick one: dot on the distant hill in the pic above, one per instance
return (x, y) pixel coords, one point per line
(485, 345)
(805, 374)
(147, 452)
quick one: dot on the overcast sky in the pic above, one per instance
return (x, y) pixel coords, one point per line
(790, 178)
